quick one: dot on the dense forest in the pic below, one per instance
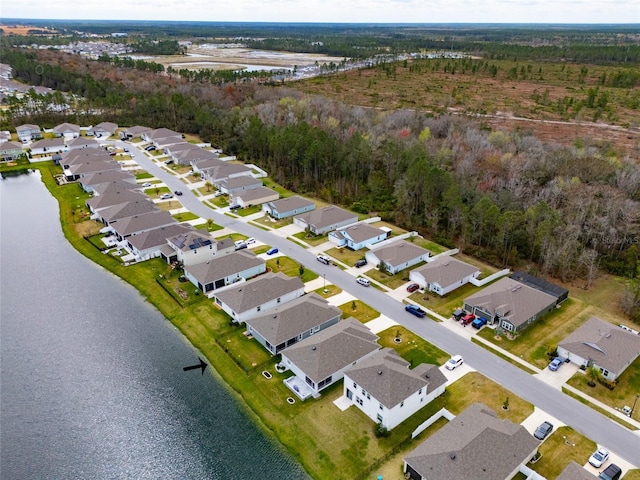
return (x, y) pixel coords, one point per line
(504, 196)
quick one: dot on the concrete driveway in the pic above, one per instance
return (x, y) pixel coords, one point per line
(558, 378)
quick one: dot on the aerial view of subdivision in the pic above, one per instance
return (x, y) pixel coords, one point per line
(312, 240)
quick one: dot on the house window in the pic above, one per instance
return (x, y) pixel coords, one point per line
(368, 397)
(359, 401)
(364, 392)
(259, 308)
(401, 404)
(379, 417)
(315, 329)
(420, 392)
(278, 301)
(355, 385)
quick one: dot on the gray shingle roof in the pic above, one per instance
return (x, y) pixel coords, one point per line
(255, 194)
(191, 240)
(399, 252)
(157, 237)
(107, 176)
(127, 209)
(48, 143)
(607, 345)
(326, 216)
(224, 266)
(241, 181)
(104, 187)
(144, 221)
(92, 167)
(516, 302)
(163, 133)
(67, 127)
(106, 127)
(258, 291)
(111, 198)
(293, 318)
(387, 377)
(575, 472)
(474, 445)
(88, 141)
(290, 203)
(332, 349)
(361, 232)
(445, 271)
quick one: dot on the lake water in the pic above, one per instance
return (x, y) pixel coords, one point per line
(91, 381)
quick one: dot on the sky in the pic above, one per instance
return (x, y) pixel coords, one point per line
(334, 11)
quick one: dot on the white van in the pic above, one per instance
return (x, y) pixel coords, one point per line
(363, 281)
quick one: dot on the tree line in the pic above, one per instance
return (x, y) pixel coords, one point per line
(505, 197)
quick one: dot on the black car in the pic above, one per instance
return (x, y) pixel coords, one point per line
(360, 263)
(543, 430)
(612, 472)
(178, 192)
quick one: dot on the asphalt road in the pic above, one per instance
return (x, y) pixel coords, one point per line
(582, 418)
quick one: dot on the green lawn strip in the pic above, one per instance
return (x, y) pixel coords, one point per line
(624, 393)
(604, 412)
(260, 249)
(143, 175)
(297, 242)
(632, 474)
(185, 216)
(391, 281)
(257, 225)
(344, 255)
(485, 269)
(559, 449)
(209, 226)
(228, 214)
(272, 223)
(243, 212)
(310, 238)
(247, 352)
(155, 192)
(433, 247)
(362, 312)
(233, 236)
(503, 356)
(329, 291)
(290, 268)
(269, 183)
(411, 347)
(543, 336)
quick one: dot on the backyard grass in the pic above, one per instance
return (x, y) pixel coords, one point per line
(310, 238)
(362, 312)
(395, 230)
(269, 183)
(247, 352)
(185, 216)
(346, 256)
(411, 347)
(433, 247)
(391, 281)
(559, 449)
(624, 393)
(290, 268)
(503, 357)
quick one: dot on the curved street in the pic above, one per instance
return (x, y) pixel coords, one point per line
(566, 409)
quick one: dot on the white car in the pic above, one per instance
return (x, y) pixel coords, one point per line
(250, 241)
(166, 196)
(147, 184)
(454, 362)
(599, 457)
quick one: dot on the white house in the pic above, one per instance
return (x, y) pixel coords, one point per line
(28, 132)
(292, 322)
(48, 146)
(79, 143)
(320, 360)
(67, 130)
(397, 255)
(248, 300)
(607, 347)
(224, 270)
(254, 196)
(288, 207)
(197, 246)
(148, 245)
(443, 275)
(104, 129)
(325, 219)
(10, 151)
(358, 236)
(387, 391)
(239, 184)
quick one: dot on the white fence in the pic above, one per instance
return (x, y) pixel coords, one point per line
(443, 412)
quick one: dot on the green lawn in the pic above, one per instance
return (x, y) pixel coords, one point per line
(433, 247)
(210, 226)
(411, 347)
(244, 212)
(362, 312)
(559, 449)
(444, 305)
(331, 290)
(310, 238)
(143, 175)
(632, 474)
(273, 223)
(391, 281)
(185, 216)
(346, 256)
(502, 356)
(247, 352)
(290, 268)
(260, 249)
(269, 183)
(604, 412)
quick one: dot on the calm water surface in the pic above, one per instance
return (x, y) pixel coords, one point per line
(91, 382)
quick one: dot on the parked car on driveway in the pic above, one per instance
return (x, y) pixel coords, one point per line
(467, 319)
(360, 263)
(555, 364)
(147, 184)
(612, 472)
(415, 310)
(363, 281)
(543, 430)
(454, 362)
(479, 322)
(599, 457)
(250, 240)
(166, 196)
(272, 251)
(413, 287)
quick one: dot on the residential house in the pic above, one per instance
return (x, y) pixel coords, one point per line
(234, 185)
(607, 347)
(124, 210)
(538, 283)
(67, 130)
(201, 165)
(149, 244)
(573, 471)
(218, 173)
(137, 224)
(133, 132)
(325, 219)
(6, 71)
(80, 143)
(443, 275)
(358, 236)
(388, 391)
(320, 360)
(161, 135)
(10, 151)
(224, 270)
(254, 196)
(197, 246)
(79, 170)
(397, 256)
(288, 207)
(285, 325)
(510, 304)
(28, 132)
(48, 146)
(104, 129)
(80, 156)
(196, 154)
(88, 182)
(111, 198)
(115, 185)
(248, 300)
(476, 444)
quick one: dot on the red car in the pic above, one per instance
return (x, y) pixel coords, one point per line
(413, 287)
(467, 319)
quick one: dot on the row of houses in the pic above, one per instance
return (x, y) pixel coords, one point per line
(29, 132)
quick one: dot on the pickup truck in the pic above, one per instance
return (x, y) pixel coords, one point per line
(479, 322)
(415, 310)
